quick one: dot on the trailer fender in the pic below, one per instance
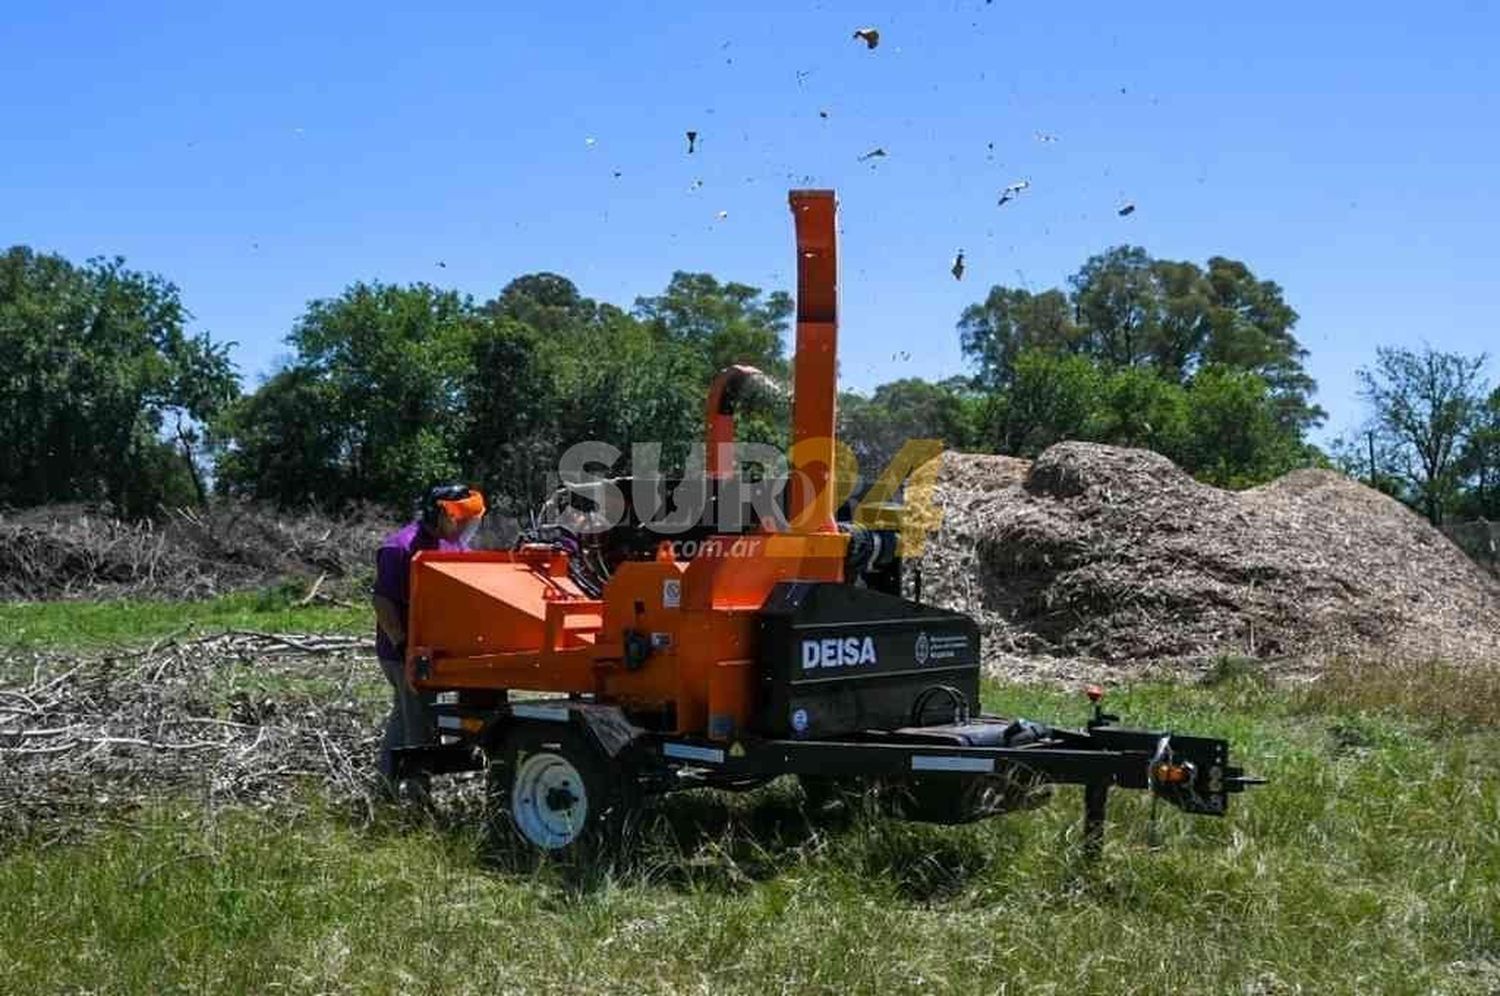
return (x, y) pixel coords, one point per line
(606, 725)
(609, 727)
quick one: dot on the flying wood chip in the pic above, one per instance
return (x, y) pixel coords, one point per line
(870, 36)
(1126, 210)
(1012, 191)
(692, 138)
(958, 266)
(872, 154)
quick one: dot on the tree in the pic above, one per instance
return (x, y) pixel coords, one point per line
(876, 427)
(1052, 398)
(1138, 407)
(546, 303)
(1011, 321)
(1125, 309)
(282, 443)
(379, 367)
(509, 436)
(633, 388)
(1235, 436)
(725, 323)
(1251, 329)
(1425, 406)
(99, 366)
(393, 387)
(1479, 463)
(1118, 305)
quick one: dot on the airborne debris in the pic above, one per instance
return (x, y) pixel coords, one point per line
(958, 266)
(823, 114)
(442, 265)
(870, 36)
(697, 185)
(1012, 191)
(904, 354)
(692, 138)
(1045, 138)
(591, 142)
(721, 215)
(1126, 209)
(877, 153)
(802, 75)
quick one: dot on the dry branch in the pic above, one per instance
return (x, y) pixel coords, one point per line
(84, 736)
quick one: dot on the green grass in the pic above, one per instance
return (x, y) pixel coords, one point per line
(95, 625)
(1370, 864)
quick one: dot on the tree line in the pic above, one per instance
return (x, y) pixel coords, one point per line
(109, 396)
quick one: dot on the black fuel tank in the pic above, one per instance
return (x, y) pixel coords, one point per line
(837, 659)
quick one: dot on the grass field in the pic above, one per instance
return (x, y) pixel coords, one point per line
(98, 625)
(1370, 864)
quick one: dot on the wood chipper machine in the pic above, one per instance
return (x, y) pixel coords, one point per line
(590, 668)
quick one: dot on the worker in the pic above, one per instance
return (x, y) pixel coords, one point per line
(447, 517)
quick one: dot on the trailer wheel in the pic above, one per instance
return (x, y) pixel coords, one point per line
(558, 794)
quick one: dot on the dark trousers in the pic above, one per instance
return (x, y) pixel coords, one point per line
(411, 723)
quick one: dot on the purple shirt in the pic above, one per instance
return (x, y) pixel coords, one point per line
(393, 574)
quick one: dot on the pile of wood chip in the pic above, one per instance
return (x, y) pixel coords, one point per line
(1097, 555)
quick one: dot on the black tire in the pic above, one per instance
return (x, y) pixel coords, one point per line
(555, 795)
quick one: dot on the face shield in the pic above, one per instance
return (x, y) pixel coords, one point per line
(465, 514)
(467, 531)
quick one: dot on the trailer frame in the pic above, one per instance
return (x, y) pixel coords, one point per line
(1189, 772)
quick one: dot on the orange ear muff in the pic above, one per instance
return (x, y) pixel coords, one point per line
(464, 509)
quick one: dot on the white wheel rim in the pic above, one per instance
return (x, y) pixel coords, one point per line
(549, 800)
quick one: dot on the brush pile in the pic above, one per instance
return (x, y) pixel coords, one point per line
(1117, 556)
(72, 552)
(241, 718)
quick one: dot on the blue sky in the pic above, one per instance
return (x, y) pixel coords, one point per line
(264, 156)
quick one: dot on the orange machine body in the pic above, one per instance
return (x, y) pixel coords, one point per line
(672, 636)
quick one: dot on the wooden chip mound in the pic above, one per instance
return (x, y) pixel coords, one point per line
(1111, 555)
